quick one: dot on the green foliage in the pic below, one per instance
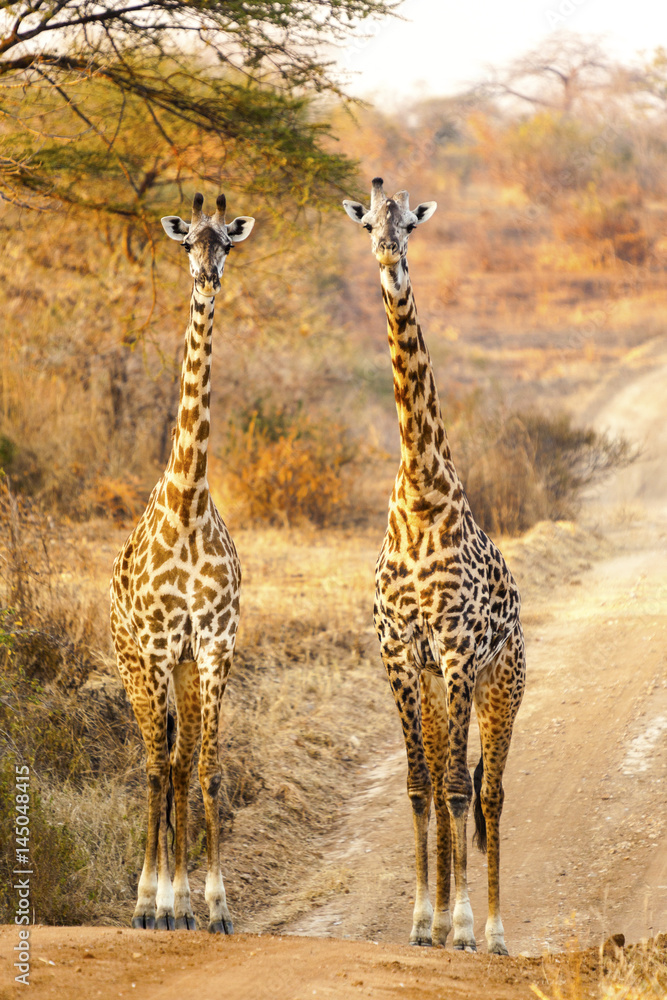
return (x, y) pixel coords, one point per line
(76, 85)
(251, 138)
(7, 453)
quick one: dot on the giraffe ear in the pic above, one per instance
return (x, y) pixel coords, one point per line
(425, 211)
(240, 228)
(174, 227)
(355, 210)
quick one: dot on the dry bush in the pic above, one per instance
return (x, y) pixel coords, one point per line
(638, 973)
(520, 468)
(53, 635)
(82, 398)
(56, 861)
(595, 221)
(54, 625)
(612, 972)
(488, 249)
(634, 248)
(548, 153)
(284, 467)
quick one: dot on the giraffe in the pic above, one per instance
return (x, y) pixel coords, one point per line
(175, 606)
(446, 613)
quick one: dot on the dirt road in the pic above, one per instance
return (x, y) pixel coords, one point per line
(583, 848)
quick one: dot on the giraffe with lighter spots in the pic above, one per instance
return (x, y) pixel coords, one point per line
(175, 606)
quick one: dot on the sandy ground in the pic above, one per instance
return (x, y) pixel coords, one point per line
(583, 846)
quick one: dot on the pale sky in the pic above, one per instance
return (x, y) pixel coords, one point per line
(446, 44)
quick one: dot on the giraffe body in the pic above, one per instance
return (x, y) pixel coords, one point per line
(446, 613)
(175, 607)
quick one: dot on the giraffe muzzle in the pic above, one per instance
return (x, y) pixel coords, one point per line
(208, 284)
(387, 252)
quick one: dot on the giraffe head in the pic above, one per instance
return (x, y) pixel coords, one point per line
(389, 221)
(207, 241)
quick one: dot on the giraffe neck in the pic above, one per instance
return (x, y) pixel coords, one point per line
(425, 454)
(188, 460)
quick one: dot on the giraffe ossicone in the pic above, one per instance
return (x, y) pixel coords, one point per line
(446, 613)
(175, 594)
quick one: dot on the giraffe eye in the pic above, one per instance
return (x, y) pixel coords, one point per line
(186, 247)
(409, 228)
(368, 226)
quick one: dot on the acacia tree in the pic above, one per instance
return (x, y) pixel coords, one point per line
(146, 92)
(562, 75)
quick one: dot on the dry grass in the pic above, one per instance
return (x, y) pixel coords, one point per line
(611, 972)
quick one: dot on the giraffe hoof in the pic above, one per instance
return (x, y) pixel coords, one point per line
(221, 927)
(165, 923)
(463, 946)
(420, 942)
(498, 949)
(143, 922)
(186, 923)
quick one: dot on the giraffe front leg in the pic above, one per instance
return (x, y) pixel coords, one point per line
(434, 729)
(213, 672)
(422, 915)
(147, 691)
(155, 894)
(164, 897)
(187, 696)
(404, 680)
(459, 676)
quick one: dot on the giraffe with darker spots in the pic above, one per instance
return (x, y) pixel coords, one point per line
(175, 606)
(446, 613)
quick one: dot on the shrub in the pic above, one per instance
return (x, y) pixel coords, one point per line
(523, 467)
(593, 220)
(548, 154)
(52, 628)
(56, 860)
(282, 467)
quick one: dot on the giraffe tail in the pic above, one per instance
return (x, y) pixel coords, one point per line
(171, 739)
(479, 836)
